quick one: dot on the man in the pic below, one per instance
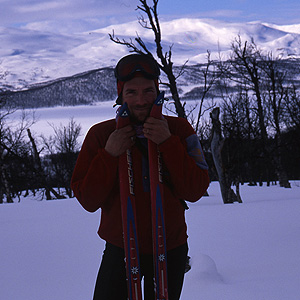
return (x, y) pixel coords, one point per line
(95, 180)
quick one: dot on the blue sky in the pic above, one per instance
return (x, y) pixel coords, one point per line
(277, 11)
(77, 15)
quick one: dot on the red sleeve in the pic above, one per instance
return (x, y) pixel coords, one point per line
(189, 181)
(95, 173)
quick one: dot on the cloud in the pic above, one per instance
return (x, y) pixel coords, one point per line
(84, 15)
(225, 13)
(39, 7)
(23, 12)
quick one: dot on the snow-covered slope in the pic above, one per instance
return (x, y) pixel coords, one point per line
(32, 56)
(50, 249)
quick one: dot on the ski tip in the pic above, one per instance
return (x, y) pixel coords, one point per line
(160, 99)
(123, 111)
(122, 115)
(157, 106)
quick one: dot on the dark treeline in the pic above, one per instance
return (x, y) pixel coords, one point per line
(36, 166)
(243, 159)
(254, 134)
(84, 88)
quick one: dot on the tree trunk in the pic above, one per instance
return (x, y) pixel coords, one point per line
(228, 194)
(173, 88)
(237, 191)
(281, 173)
(5, 182)
(3, 176)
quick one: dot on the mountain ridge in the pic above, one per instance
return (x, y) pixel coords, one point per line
(83, 88)
(31, 56)
(99, 85)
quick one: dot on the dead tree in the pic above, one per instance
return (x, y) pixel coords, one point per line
(275, 94)
(217, 142)
(5, 188)
(63, 148)
(292, 108)
(244, 68)
(40, 172)
(210, 77)
(138, 46)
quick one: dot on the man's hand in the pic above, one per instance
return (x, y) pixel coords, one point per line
(120, 140)
(156, 130)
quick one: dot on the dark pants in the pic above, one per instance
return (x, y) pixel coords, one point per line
(111, 281)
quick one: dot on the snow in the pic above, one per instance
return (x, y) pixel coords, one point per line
(50, 249)
(85, 115)
(34, 54)
(245, 251)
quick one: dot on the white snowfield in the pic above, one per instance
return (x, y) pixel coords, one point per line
(251, 251)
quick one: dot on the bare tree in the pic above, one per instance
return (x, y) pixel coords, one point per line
(42, 177)
(151, 22)
(5, 188)
(263, 78)
(63, 148)
(210, 77)
(292, 108)
(275, 91)
(65, 139)
(244, 69)
(14, 158)
(217, 143)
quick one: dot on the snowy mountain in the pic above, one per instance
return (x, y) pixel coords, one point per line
(31, 56)
(80, 89)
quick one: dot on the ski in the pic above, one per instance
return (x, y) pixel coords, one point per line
(127, 196)
(133, 270)
(158, 224)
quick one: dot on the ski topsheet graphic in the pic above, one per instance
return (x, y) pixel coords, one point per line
(158, 224)
(129, 213)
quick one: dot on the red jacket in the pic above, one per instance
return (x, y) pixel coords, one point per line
(95, 182)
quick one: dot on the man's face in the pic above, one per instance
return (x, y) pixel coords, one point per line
(140, 94)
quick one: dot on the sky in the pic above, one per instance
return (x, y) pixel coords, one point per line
(83, 15)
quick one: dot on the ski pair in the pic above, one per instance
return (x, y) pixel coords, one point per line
(129, 213)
